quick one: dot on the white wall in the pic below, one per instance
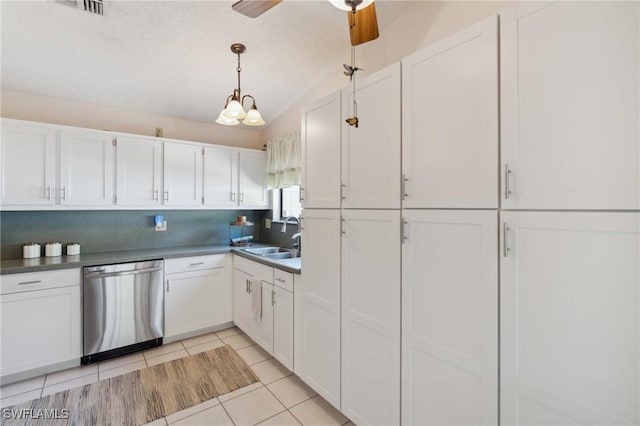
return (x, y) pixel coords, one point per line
(45, 109)
(423, 23)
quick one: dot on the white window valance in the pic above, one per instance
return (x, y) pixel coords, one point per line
(284, 161)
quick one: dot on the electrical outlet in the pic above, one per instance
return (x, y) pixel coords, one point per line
(267, 223)
(161, 226)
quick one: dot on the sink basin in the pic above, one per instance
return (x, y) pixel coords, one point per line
(264, 251)
(281, 255)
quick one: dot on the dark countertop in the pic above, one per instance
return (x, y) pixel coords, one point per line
(16, 266)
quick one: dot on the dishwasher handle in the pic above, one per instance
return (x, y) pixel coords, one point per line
(99, 274)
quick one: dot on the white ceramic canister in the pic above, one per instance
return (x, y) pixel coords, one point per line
(53, 249)
(30, 250)
(73, 249)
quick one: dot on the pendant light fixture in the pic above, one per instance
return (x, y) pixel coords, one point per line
(351, 5)
(233, 112)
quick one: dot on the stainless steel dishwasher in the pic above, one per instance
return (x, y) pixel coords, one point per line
(123, 309)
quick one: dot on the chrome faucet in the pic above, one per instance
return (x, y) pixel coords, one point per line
(296, 244)
(284, 225)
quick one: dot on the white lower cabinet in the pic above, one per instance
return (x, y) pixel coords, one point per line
(267, 318)
(283, 317)
(569, 315)
(40, 320)
(450, 318)
(319, 318)
(197, 294)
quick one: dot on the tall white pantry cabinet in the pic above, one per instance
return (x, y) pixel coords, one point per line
(569, 275)
(520, 229)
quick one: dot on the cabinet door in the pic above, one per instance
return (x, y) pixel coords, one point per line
(262, 328)
(283, 327)
(195, 300)
(321, 153)
(569, 315)
(450, 318)
(242, 301)
(182, 174)
(252, 186)
(87, 165)
(371, 316)
(450, 121)
(28, 164)
(139, 171)
(40, 328)
(371, 151)
(320, 319)
(570, 105)
(220, 177)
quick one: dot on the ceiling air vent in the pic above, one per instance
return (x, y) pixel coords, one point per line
(96, 7)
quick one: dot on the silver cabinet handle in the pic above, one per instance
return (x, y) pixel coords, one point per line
(30, 282)
(281, 280)
(48, 193)
(343, 188)
(403, 229)
(507, 176)
(196, 264)
(63, 193)
(505, 239)
(166, 195)
(300, 194)
(241, 196)
(155, 194)
(249, 286)
(232, 196)
(273, 297)
(343, 223)
(167, 285)
(403, 187)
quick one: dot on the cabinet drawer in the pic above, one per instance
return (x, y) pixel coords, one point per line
(16, 283)
(194, 263)
(283, 279)
(255, 269)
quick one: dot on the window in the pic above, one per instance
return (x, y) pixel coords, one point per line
(286, 202)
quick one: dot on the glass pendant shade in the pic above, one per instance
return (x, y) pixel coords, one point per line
(225, 121)
(234, 110)
(345, 5)
(253, 118)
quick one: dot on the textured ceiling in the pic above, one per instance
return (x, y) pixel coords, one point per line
(173, 57)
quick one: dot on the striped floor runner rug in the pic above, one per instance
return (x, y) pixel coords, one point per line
(141, 396)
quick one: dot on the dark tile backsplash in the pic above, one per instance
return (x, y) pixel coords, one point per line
(111, 230)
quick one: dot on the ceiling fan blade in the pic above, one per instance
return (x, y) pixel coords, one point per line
(254, 8)
(363, 25)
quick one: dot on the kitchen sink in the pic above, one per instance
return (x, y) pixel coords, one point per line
(273, 252)
(282, 255)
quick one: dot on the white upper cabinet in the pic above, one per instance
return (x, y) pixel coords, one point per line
(450, 121)
(321, 124)
(370, 316)
(28, 164)
(138, 171)
(371, 151)
(570, 105)
(252, 189)
(87, 166)
(182, 174)
(569, 318)
(450, 318)
(220, 177)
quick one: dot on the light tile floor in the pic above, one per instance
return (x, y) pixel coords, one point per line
(280, 398)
